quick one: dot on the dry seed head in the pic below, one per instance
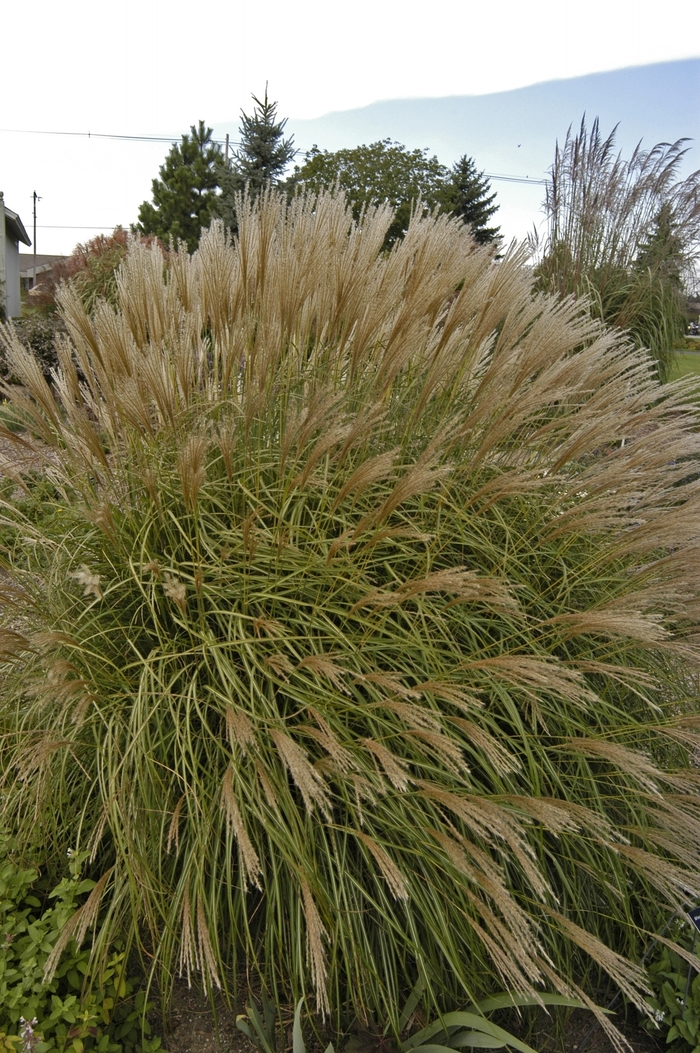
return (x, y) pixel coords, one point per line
(268, 626)
(316, 955)
(393, 767)
(175, 590)
(191, 463)
(632, 763)
(494, 751)
(391, 873)
(89, 580)
(207, 958)
(310, 784)
(325, 665)
(280, 665)
(250, 863)
(392, 684)
(629, 977)
(174, 828)
(240, 729)
(331, 743)
(77, 925)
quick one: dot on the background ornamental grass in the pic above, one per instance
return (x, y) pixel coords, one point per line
(362, 645)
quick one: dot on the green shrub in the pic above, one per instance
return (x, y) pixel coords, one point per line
(60, 1013)
(37, 332)
(363, 648)
(676, 992)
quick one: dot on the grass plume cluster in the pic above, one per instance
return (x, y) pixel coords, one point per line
(363, 648)
(624, 233)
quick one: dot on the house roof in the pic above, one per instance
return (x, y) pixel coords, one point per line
(15, 227)
(44, 263)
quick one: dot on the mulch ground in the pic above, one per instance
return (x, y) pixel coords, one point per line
(195, 1028)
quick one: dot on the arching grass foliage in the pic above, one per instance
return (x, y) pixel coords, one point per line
(362, 645)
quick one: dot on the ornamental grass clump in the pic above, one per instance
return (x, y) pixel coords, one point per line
(361, 649)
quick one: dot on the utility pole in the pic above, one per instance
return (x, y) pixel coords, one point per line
(36, 198)
(226, 155)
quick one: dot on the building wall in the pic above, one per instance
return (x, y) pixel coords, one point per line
(3, 239)
(14, 303)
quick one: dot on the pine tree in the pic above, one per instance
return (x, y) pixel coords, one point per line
(662, 252)
(184, 196)
(466, 195)
(260, 161)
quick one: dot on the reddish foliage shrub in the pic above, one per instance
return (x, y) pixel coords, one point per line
(92, 268)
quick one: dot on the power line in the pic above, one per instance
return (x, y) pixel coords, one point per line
(76, 226)
(107, 135)
(516, 179)
(525, 180)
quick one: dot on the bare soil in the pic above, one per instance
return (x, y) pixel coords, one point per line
(195, 1028)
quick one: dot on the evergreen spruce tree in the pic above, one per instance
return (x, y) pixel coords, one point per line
(263, 155)
(184, 196)
(466, 195)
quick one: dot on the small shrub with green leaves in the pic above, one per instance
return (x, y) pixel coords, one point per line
(58, 1014)
(676, 993)
(364, 648)
(38, 332)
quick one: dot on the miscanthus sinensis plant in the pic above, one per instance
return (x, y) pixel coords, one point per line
(361, 648)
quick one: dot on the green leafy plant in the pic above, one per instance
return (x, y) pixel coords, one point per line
(363, 650)
(59, 1015)
(261, 1028)
(457, 1030)
(676, 993)
(38, 332)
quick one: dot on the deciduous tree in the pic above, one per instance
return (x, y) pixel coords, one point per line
(384, 171)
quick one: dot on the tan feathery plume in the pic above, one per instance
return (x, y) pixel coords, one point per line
(191, 463)
(391, 873)
(310, 784)
(175, 590)
(89, 580)
(494, 751)
(331, 743)
(393, 767)
(77, 925)
(324, 664)
(207, 958)
(629, 977)
(250, 863)
(315, 952)
(240, 729)
(174, 828)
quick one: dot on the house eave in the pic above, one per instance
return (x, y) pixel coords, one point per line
(15, 227)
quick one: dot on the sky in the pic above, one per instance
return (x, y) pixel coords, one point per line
(154, 67)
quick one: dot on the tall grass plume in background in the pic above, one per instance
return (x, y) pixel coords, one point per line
(623, 233)
(361, 645)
